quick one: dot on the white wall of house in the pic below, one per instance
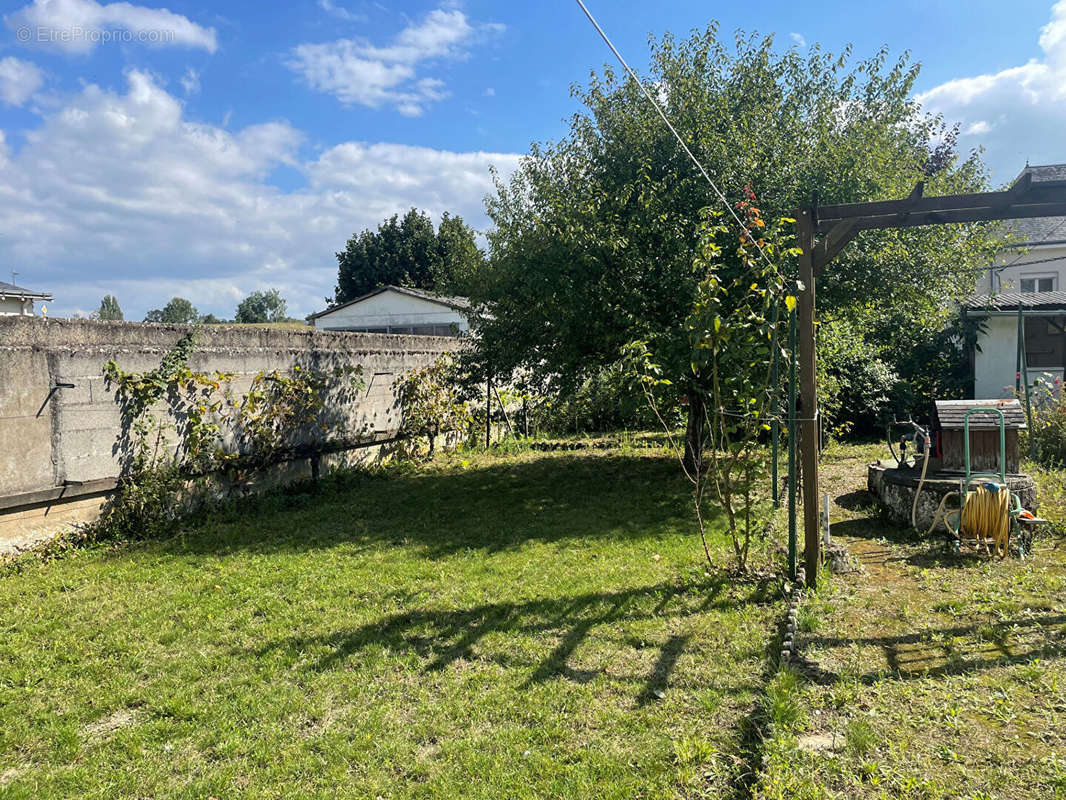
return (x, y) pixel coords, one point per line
(392, 310)
(15, 306)
(1052, 267)
(996, 362)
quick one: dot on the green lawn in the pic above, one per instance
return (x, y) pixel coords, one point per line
(530, 625)
(932, 675)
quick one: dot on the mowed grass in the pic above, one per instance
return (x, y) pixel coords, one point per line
(489, 626)
(933, 675)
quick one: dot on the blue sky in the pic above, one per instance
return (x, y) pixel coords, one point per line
(211, 149)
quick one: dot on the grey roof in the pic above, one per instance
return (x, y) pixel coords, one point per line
(1010, 301)
(458, 303)
(951, 414)
(1040, 230)
(11, 290)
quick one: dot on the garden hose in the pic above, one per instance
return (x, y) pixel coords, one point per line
(986, 515)
(918, 491)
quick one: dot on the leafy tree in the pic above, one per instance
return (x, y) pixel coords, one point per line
(407, 252)
(596, 234)
(109, 310)
(178, 310)
(459, 259)
(262, 306)
(211, 319)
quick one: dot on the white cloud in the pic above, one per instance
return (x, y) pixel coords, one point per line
(120, 193)
(798, 38)
(340, 12)
(490, 92)
(1017, 114)
(78, 26)
(190, 81)
(357, 72)
(18, 80)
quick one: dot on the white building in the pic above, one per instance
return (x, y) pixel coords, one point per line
(398, 309)
(16, 301)
(996, 359)
(1031, 276)
(1040, 266)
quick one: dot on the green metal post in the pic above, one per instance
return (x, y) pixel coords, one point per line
(1021, 348)
(775, 423)
(1025, 380)
(792, 445)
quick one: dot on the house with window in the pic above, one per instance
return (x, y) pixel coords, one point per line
(16, 301)
(1023, 297)
(398, 309)
(1036, 261)
(1040, 318)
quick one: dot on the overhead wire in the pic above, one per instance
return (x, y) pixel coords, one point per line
(673, 130)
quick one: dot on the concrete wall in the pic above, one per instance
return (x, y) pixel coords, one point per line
(60, 446)
(391, 309)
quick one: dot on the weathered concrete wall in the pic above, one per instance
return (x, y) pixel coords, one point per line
(68, 437)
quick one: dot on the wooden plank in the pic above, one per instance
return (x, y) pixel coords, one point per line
(830, 247)
(805, 225)
(953, 216)
(1043, 191)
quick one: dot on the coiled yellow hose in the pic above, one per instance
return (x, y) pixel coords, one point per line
(986, 515)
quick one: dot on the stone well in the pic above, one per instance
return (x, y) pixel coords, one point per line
(895, 489)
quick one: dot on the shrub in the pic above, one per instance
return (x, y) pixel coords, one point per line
(1048, 434)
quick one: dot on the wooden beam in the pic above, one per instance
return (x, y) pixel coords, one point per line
(917, 218)
(805, 226)
(830, 247)
(1028, 193)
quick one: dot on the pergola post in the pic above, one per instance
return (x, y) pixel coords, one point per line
(838, 225)
(808, 364)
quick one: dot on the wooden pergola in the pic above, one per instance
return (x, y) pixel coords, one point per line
(837, 225)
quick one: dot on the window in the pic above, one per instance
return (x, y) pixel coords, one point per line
(1045, 342)
(1038, 283)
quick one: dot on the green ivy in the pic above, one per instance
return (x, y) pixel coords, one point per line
(180, 426)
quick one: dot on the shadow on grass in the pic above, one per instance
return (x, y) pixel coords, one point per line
(443, 637)
(938, 652)
(491, 508)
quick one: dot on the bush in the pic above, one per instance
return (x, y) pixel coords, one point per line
(857, 388)
(1048, 434)
(606, 401)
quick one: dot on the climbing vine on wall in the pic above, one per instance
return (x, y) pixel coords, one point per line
(179, 426)
(432, 402)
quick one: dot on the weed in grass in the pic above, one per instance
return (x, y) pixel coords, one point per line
(782, 701)
(859, 737)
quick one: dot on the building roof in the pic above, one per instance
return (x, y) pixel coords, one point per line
(1011, 301)
(951, 414)
(457, 303)
(1040, 230)
(11, 290)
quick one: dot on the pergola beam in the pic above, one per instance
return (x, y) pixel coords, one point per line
(1023, 192)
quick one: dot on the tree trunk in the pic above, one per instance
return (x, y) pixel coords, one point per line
(695, 432)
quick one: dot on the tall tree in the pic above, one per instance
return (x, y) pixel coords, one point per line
(596, 234)
(109, 310)
(459, 259)
(407, 252)
(178, 310)
(262, 306)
